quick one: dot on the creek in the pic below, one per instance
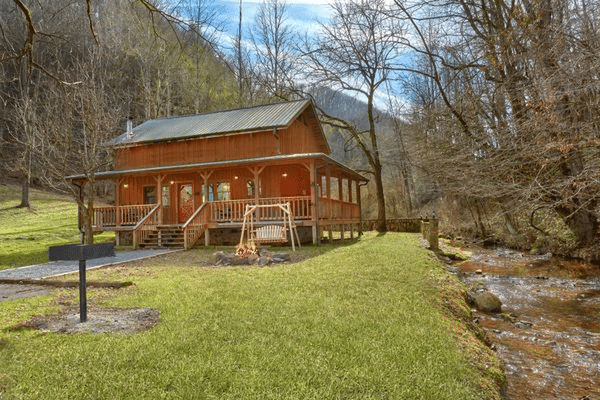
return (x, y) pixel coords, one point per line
(548, 334)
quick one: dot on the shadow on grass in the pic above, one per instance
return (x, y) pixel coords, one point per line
(22, 258)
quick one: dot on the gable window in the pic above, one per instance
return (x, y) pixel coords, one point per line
(150, 195)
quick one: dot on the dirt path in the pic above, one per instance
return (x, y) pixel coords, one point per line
(13, 292)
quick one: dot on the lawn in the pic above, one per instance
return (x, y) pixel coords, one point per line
(377, 319)
(26, 234)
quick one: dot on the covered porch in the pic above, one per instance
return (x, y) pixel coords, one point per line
(185, 205)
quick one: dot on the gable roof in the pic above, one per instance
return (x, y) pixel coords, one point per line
(260, 118)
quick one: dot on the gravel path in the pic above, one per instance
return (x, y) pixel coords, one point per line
(57, 268)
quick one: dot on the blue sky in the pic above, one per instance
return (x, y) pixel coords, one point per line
(302, 14)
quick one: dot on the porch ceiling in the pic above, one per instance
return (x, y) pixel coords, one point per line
(322, 159)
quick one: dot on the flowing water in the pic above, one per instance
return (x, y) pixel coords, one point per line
(548, 334)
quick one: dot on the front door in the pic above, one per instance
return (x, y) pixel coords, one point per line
(185, 202)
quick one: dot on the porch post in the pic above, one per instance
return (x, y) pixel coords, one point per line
(341, 201)
(329, 202)
(118, 202)
(314, 203)
(350, 184)
(256, 171)
(205, 177)
(159, 180)
(117, 213)
(359, 201)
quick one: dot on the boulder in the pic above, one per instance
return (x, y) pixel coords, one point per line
(262, 261)
(485, 301)
(220, 258)
(281, 257)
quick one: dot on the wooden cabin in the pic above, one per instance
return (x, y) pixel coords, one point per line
(182, 181)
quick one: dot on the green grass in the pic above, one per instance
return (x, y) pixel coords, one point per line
(378, 319)
(26, 234)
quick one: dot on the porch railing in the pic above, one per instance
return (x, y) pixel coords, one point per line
(115, 216)
(336, 209)
(146, 227)
(224, 211)
(194, 226)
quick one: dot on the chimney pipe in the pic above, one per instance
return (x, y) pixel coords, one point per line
(129, 129)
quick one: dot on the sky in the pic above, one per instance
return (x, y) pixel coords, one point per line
(302, 14)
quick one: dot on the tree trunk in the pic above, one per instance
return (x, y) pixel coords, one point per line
(24, 194)
(86, 212)
(381, 217)
(86, 225)
(582, 223)
(375, 162)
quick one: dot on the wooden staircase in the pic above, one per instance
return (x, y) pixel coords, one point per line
(164, 236)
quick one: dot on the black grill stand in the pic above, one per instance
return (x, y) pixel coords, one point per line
(81, 252)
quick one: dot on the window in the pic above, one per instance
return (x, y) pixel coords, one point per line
(251, 189)
(150, 195)
(223, 191)
(335, 188)
(345, 190)
(211, 193)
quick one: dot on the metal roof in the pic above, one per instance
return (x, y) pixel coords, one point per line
(231, 121)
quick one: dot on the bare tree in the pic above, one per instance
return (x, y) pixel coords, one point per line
(357, 52)
(273, 41)
(518, 122)
(77, 130)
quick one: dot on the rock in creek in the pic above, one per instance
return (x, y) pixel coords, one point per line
(484, 301)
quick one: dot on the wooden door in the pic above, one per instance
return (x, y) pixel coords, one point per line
(185, 202)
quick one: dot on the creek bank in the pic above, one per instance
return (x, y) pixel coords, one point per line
(589, 254)
(548, 330)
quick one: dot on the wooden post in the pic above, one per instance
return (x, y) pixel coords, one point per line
(205, 176)
(433, 234)
(314, 203)
(350, 184)
(328, 192)
(341, 194)
(118, 202)
(424, 228)
(159, 179)
(359, 202)
(256, 171)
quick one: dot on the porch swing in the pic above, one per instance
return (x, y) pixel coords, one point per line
(272, 233)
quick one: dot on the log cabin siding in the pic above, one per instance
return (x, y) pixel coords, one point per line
(296, 139)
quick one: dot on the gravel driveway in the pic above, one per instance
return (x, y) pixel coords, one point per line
(57, 268)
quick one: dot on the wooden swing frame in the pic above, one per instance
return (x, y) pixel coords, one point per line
(272, 233)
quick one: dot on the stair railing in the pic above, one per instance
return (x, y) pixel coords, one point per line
(194, 227)
(148, 224)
